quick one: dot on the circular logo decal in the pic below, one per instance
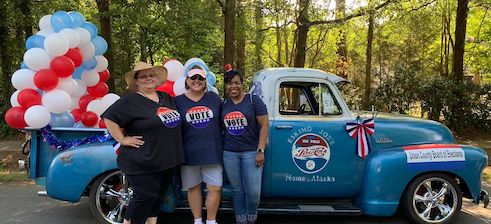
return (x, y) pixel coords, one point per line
(199, 116)
(170, 118)
(310, 153)
(235, 122)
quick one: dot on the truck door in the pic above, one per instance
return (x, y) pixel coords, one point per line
(312, 155)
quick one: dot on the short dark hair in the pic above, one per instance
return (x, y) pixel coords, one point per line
(231, 74)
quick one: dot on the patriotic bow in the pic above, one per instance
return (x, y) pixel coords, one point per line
(360, 129)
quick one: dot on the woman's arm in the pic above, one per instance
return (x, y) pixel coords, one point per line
(117, 134)
(263, 122)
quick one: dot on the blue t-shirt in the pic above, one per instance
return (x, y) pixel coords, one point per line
(241, 127)
(201, 129)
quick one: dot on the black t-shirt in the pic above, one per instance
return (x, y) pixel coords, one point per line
(160, 126)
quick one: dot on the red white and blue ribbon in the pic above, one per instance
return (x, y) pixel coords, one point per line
(361, 130)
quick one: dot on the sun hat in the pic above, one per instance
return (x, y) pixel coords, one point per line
(160, 73)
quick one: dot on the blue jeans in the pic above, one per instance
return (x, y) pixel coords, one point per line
(245, 178)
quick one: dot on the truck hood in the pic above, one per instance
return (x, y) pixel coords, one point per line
(393, 130)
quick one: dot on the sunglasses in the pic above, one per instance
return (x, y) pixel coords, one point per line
(146, 76)
(199, 77)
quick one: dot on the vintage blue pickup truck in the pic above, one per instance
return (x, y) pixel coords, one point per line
(321, 158)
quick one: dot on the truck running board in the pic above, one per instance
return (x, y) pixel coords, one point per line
(304, 209)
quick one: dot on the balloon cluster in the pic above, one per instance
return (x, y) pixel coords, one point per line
(177, 72)
(61, 81)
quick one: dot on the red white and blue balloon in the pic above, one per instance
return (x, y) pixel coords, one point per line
(63, 62)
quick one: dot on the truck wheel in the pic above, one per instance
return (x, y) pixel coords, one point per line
(432, 198)
(109, 196)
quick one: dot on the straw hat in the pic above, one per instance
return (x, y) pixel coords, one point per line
(160, 73)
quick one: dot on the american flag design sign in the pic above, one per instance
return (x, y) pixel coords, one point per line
(199, 116)
(171, 118)
(235, 123)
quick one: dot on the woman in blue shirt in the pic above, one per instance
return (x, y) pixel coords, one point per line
(245, 118)
(201, 135)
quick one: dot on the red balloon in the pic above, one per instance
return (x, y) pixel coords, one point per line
(104, 75)
(15, 117)
(77, 114)
(76, 55)
(167, 87)
(89, 118)
(63, 66)
(45, 79)
(102, 124)
(99, 90)
(84, 101)
(28, 98)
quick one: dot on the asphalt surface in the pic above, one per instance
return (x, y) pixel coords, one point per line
(20, 204)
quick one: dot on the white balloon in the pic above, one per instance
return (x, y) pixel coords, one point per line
(102, 63)
(75, 100)
(110, 98)
(37, 59)
(68, 85)
(72, 37)
(82, 88)
(215, 90)
(88, 51)
(90, 77)
(97, 106)
(179, 86)
(175, 70)
(56, 101)
(37, 116)
(45, 33)
(23, 79)
(83, 34)
(45, 23)
(13, 99)
(56, 44)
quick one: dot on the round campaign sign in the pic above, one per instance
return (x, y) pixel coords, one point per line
(310, 153)
(169, 117)
(235, 122)
(199, 116)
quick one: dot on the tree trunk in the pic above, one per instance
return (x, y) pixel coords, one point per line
(106, 30)
(241, 37)
(25, 8)
(368, 65)
(4, 54)
(143, 46)
(342, 51)
(259, 37)
(460, 29)
(302, 34)
(229, 46)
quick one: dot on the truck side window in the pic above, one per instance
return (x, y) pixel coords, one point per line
(307, 98)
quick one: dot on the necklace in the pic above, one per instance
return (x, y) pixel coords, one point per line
(149, 97)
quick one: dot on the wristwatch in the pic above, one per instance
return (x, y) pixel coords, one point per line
(260, 150)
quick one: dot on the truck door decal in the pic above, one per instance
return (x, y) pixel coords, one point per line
(310, 153)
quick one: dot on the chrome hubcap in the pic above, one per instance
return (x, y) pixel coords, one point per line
(435, 200)
(113, 197)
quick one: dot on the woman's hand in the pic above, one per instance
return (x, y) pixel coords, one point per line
(133, 141)
(259, 159)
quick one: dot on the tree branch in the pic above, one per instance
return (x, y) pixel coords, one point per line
(341, 20)
(277, 27)
(222, 5)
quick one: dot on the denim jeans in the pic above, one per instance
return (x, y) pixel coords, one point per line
(245, 178)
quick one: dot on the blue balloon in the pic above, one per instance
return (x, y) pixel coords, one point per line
(62, 120)
(209, 87)
(77, 74)
(196, 63)
(23, 65)
(61, 20)
(77, 18)
(91, 28)
(211, 78)
(35, 41)
(100, 45)
(89, 64)
(79, 125)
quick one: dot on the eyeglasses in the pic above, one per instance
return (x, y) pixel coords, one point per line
(146, 76)
(199, 77)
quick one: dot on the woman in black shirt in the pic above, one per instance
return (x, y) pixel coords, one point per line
(151, 145)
